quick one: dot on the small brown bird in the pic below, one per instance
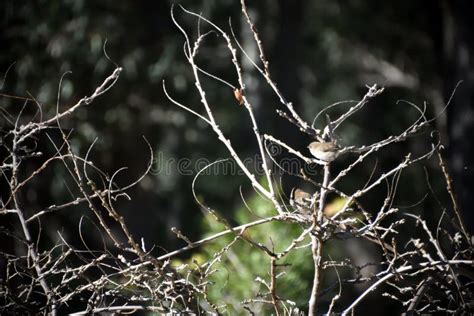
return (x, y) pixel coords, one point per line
(302, 201)
(301, 197)
(326, 151)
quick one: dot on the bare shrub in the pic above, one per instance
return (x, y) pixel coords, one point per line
(431, 271)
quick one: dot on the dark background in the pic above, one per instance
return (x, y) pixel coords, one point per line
(320, 52)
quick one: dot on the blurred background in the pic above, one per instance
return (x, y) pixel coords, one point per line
(320, 52)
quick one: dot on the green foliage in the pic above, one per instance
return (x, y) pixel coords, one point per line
(236, 273)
